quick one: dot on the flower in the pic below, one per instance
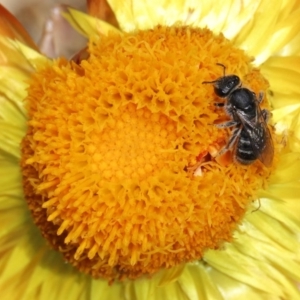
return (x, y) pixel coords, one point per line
(95, 169)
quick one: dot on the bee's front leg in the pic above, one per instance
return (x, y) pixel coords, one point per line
(219, 104)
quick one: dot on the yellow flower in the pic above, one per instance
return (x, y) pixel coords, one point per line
(121, 163)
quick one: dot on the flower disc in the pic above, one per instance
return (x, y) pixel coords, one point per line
(120, 161)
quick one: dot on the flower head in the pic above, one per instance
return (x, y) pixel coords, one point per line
(122, 162)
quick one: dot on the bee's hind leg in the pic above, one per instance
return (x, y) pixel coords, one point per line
(234, 135)
(227, 124)
(266, 115)
(260, 97)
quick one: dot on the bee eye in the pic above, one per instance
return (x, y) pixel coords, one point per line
(232, 84)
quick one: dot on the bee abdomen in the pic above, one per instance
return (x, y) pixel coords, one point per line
(244, 150)
(244, 142)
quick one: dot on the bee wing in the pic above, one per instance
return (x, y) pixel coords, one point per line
(260, 136)
(267, 153)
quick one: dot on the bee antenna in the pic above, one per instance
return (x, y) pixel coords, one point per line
(206, 82)
(224, 68)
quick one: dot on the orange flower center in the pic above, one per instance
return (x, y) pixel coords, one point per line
(120, 161)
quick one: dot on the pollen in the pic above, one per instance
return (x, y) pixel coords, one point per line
(121, 165)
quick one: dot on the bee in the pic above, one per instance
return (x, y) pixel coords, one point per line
(251, 138)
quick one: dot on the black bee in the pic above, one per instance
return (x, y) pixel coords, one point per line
(251, 137)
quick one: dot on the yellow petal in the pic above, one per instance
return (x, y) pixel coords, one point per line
(9, 223)
(286, 114)
(8, 144)
(11, 76)
(147, 14)
(283, 74)
(269, 31)
(268, 230)
(291, 48)
(228, 17)
(27, 265)
(252, 258)
(125, 14)
(10, 111)
(171, 275)
(241, 268)
(233, 289)
(290, 191)
(100, 289)
(87, 25)
(197, 283)
(285, 211)
(15, 53)
(288, 170)
(147, 288)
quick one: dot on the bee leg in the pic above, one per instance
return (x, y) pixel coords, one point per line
(235, 134)
(227, 124)
(259, 205)
(265, 114)
(260, 97)
(219, 104)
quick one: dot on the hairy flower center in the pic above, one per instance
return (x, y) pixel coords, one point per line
(120, 161)
(132, 146)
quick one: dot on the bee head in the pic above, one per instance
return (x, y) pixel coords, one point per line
(226, 84)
